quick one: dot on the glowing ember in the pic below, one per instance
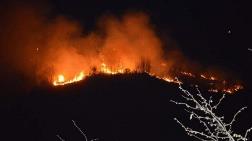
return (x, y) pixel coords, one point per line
(203, 76)
(212, 78)
(208, 77)
(167, 79)
(187, 74)
(233, 89)
(170, 80)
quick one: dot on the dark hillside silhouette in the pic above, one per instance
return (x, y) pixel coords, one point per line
(128, 107)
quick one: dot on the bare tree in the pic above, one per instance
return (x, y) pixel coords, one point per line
(203, 110)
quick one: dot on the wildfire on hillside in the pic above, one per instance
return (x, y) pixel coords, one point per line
(130, 45)
(59, 51)
(61, 80)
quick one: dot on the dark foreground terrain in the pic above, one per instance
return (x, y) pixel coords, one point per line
(129, 107)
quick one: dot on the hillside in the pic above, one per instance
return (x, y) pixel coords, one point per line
(124, 107)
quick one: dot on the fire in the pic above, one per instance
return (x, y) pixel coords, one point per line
(212, 78)
(105, 69)
(203, 76)
(229, 90)
(60, 80)
(59, 50)
(233, 89)
(121, 45)
(171, 80)
(208, 77)
(188, 74)
(166, 78)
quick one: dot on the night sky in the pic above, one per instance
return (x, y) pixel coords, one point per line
(213, 34)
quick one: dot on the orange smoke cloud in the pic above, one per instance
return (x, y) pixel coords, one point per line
(119, 43)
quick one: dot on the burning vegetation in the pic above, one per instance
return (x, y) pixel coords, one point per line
(60, 51)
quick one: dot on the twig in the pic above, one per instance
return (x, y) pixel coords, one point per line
(85, 136)
(60, 138)
(216, 129)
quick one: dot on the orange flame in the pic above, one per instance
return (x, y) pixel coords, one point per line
(60, 79)
(105, 69)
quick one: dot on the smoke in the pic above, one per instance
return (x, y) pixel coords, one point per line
(118, 42)
(41, 47)
(21, 32)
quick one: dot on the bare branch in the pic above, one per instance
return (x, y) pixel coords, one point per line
(85, 136)
(195, 133)
(185, 104)
(234, 117)
(60, 138)
(220, 100)
(82, 133)
(192, 114)
(215, 128)
(248, 130)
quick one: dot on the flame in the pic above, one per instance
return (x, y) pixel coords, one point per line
(229, 90)
(105, 69)
(166, 78)
(60, 80)
(233, 89)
